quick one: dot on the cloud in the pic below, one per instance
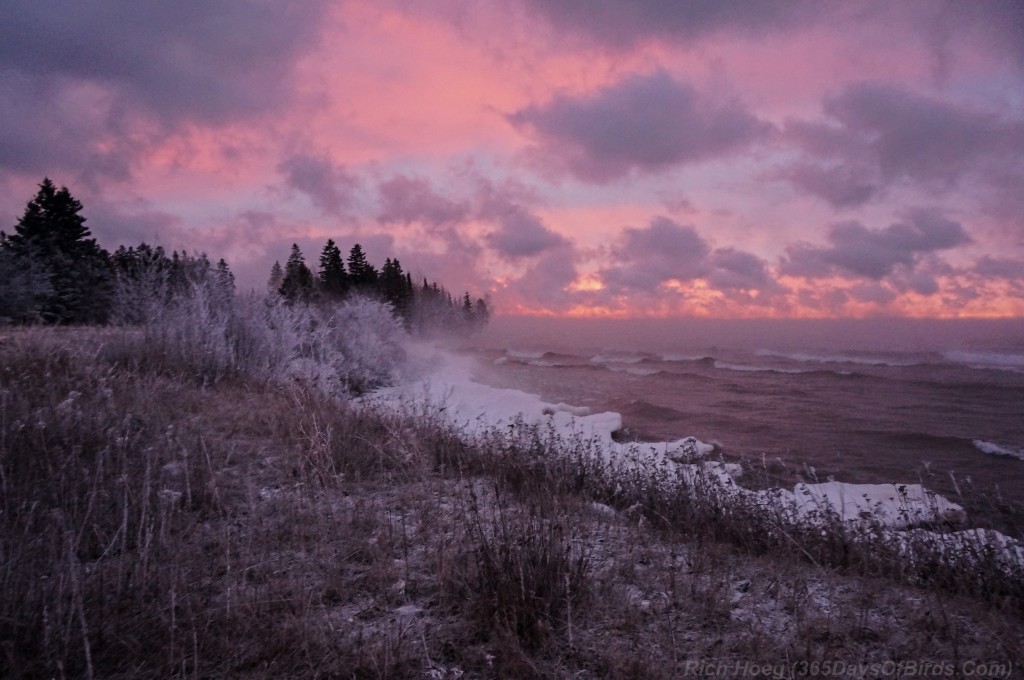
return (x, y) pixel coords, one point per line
(993, 25)
(114, 224)
(407, 199)
(622, 24)
(546, 280)
(645, 258)
(67, 130)
(877, 135)
(854, 250)
(735, 271)
(842, 186)
(327, 185)
(89, 87)
(643, 123)
(194, 59)
(520, 233)
(1000, 268)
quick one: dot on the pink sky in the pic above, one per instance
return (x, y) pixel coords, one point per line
(563, 157)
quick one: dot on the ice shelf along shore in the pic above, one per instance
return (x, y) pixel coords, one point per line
(476, 409)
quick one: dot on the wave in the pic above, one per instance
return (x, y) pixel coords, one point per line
(523, 354)
(687, 358)
(543, 363)
(747, 368)
(1000, 361)
(633, 370)
(538, 359)
(838, 358)
(998, 450)
(603, 359)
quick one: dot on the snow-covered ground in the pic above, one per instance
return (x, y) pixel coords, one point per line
(476, 409)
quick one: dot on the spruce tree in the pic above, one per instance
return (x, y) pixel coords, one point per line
(276, 277)
(360, 271)
(332, 277)
(52, 236)
(298, 279)
(223, 284)
(481, 314)
(24, 285)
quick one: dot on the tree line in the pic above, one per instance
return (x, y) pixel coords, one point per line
(53, 271)
(424, 308)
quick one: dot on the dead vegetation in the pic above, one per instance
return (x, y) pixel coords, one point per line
(154, 525)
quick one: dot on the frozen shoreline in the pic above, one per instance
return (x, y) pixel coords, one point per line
(899, 510)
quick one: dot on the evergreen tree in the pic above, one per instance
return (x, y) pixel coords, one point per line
(223, 283)
(298, 279)
(276, 277)
(24, 285)
(142, 278)
(333, 279)
(481, 314)
(392, 284)
(225, 279)
(52, 236)
(361, 272)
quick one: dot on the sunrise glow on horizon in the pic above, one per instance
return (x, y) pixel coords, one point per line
(565, 158)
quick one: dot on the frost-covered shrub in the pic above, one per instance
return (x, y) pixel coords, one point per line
(348, 348)
(370, 341)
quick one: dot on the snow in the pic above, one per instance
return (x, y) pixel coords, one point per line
(896, 506)
(477, 409)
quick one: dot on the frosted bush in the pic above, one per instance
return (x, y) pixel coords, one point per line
(346, 348)
(371, 341)
(352, 347)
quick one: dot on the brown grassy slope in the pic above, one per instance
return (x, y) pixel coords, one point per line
(152, 527)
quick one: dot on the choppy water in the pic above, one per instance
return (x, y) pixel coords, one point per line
(946, 418)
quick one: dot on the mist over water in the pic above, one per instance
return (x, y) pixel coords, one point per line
(653, 335)
(882, 400)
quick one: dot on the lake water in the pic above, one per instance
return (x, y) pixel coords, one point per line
(886, 401)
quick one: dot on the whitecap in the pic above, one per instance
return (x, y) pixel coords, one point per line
(998, 450)
(523, 354)
(616, 359)
(1002, 361)
(756, 369)
(804, 357)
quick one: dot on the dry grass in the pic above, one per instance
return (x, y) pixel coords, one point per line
(154, 525)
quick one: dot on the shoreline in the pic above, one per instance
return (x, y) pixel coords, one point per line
(475, 406)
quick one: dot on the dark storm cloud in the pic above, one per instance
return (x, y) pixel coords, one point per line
(644, 122)
(78, 77)
(619, 23)
(328, 186)
(645, 258)
(412, 199)
(877, 135)
(875, 253)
